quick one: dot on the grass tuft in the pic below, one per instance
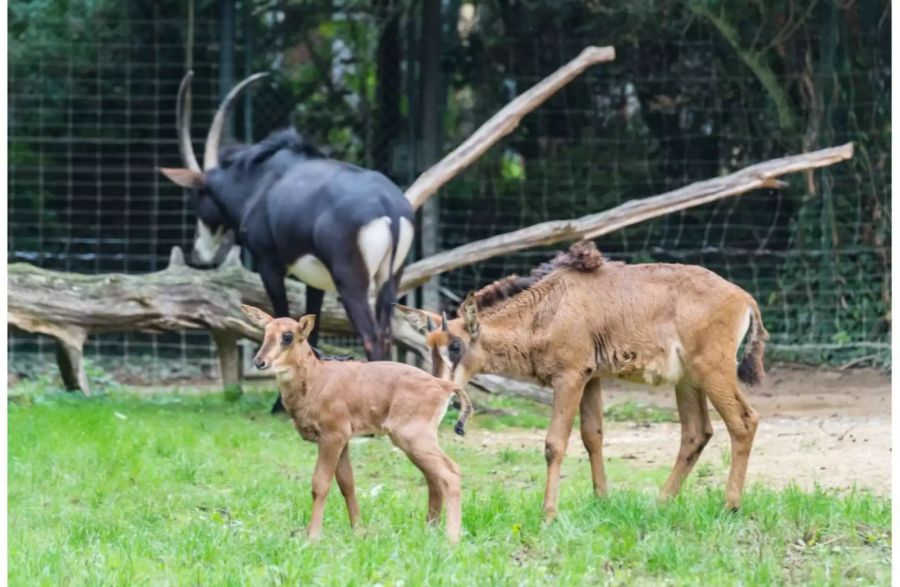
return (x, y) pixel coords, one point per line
(197, 489)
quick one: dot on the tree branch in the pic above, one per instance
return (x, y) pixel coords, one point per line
(501, 124)
(761, 175)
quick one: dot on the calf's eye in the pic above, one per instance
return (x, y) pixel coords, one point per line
(455, 346)
(287, 338)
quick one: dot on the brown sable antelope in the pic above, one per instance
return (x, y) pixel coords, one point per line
(332, 401)
(581, 317)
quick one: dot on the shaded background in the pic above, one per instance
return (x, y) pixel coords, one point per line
(699, 88)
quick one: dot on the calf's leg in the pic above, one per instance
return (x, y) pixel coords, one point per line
(435, 502)
(421, 446)
(567, 392)
(330, 449)
(592, 433)
(740, 419)
(696, 430)
(344, 474)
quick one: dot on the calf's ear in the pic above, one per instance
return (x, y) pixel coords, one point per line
(186, 178)
(256, 315)
(305, 325)
(421, 320)
(470, 315)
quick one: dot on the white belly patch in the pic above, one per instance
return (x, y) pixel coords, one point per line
(310, 270)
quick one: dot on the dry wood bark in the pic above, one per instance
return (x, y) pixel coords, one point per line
(71, 306)
(761, 175)
(501, 124)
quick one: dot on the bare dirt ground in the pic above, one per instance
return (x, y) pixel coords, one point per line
(823, 427)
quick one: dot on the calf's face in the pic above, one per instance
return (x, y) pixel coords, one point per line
(456, 350)
(281, 336)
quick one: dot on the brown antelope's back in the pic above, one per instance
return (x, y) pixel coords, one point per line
(646, 322)
(380, 393)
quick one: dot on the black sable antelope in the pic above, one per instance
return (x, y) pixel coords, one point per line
(333, 225)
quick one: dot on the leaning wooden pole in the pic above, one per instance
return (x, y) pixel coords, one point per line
(761, 175)
(501, 124)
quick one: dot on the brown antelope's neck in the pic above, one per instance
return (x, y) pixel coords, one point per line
(506, 350)
(300, 368)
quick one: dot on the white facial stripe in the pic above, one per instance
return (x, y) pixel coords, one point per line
(207, 242)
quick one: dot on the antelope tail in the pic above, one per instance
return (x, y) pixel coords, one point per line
(465, 410)
(751, 370)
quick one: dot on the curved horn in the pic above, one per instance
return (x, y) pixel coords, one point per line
(183, 124)
(444, 323)
(211, 153)
(429, 324)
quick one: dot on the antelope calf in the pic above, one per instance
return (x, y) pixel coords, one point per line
(579, 318)
(332, 401)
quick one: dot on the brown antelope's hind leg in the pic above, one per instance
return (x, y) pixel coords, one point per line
(421, 446)
(741, 420)
(330, 449)
(567, 392)
(592, 433)
(435, 502)
(344, 474)
(696, 430)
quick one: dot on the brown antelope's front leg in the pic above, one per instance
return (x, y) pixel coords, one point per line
(330, 448)
(344, 476)
(567, 392)
(592, 433)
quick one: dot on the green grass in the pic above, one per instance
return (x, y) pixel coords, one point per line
(186, 489)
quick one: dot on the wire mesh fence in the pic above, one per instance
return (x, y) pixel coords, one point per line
(91, 119)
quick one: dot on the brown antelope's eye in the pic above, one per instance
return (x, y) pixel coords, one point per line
(287, 338)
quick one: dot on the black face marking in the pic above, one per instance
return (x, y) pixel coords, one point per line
(208, 209)
(287, 339)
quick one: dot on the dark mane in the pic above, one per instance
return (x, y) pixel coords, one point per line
(249, 155)
(582, 256)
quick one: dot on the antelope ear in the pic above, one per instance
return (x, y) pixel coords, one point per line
(256, 315)
(469, 311)
(422, 320)
(305, 325)
(186, 178)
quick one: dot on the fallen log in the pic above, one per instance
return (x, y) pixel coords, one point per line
(761, 175)
(71, 306)
(501, 124)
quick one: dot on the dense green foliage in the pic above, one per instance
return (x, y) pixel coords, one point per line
(698, 88)
(187, 489)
